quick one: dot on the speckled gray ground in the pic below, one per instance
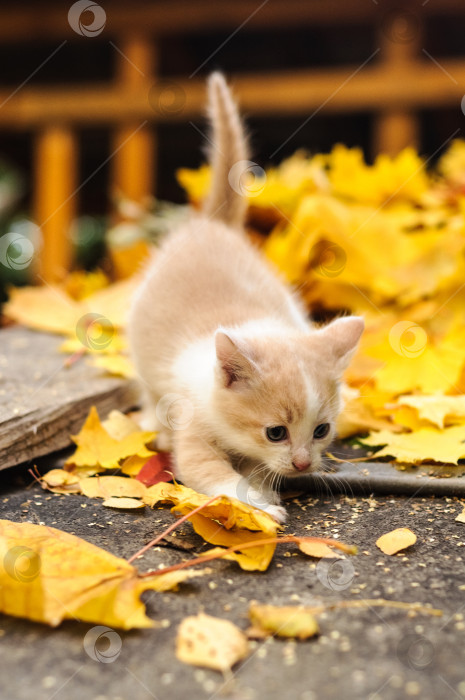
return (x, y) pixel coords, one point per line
(365, 652)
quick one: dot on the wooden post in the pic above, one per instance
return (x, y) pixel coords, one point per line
(400, 38)
(55, 204)
(134, 147)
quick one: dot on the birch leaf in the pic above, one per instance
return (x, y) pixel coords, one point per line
(319, 550)
(123, 503)
(293, 621)
(112, 486)
(396, 540)
(211, 642)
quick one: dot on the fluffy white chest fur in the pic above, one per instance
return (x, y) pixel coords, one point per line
(237, 382)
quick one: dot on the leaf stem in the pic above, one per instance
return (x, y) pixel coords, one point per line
(169, 529)
(247, 545)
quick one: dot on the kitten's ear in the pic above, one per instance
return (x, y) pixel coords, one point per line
(232, 358)
(340, 339)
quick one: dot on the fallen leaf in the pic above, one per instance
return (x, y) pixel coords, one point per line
(110, 486)
(116, 365)
(211, 642)
(437, 409)
(61, 481)
(123, 503)
(132, 465)
(47, 575)
(79, 284)
(284, 621)
(319, 550)
(46, 308)
(396, 540)
(156, 469)
(118, 425)
(168, 493)
(424, 445)
(461, 517)
(226, 522)
(95, 447)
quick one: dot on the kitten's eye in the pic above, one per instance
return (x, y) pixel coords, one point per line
(321, 431)
(277, 433)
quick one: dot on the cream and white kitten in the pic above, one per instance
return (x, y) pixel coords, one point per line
(238, 382)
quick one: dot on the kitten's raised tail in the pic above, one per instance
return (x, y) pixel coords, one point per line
(228, 155)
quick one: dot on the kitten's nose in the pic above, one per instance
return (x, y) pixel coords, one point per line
(301, 464)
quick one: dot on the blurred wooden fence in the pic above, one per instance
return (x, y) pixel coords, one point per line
(397, 83)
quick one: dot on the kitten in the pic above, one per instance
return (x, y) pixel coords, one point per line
(234, 377)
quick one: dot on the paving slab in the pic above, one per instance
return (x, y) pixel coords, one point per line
(365, 652)
(42, 400)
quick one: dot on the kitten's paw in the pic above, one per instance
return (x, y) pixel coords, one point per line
(279, 513)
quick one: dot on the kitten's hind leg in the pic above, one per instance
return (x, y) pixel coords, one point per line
(207, 469)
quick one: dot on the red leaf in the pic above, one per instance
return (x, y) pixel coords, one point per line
(158, 468)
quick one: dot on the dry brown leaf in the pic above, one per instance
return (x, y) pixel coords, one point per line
(284, 621)
(396, 540)
(211, 642)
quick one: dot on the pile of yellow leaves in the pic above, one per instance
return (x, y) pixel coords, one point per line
(87, 310)
(386, 241)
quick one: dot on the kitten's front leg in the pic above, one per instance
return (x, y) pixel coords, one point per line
(149, 420)
(207, 469)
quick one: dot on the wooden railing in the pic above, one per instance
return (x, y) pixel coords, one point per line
(397, 80)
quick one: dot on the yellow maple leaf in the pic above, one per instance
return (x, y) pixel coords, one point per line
(44, 308)
(358, 416)
(52, 309)
(424, 445)
(132, 466)
(79, 284)
(95, 447)
(118, 425)
(47, 575)
(438, 409)
(94, 338)
(402, 176)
